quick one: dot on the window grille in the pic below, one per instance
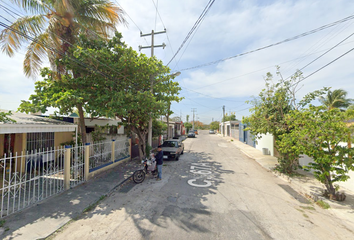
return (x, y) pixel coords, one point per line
(39, 141)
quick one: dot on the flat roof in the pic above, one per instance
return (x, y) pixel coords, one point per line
(26, 123)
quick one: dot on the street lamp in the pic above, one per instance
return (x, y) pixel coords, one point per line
(150, 121)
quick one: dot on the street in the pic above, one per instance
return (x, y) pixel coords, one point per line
(213, 192)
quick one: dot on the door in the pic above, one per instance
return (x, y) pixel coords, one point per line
(9, 144)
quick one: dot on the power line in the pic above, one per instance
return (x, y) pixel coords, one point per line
(203, 14)
(326, 52)
(329, 36)
(324, 66)
(211, 96)
(275, 44)
(130, 19)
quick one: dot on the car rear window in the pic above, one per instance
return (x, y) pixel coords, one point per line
(170, 144)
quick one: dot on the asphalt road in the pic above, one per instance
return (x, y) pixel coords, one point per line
(212, 192)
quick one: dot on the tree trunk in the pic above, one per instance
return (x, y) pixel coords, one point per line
(82, 123)
(142, 143)
(329, 185)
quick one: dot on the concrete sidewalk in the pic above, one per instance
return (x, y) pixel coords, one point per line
(46, 217)
(305, 183)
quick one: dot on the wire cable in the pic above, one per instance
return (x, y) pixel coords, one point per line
(275, 44)
(203, 14)
(323, 67)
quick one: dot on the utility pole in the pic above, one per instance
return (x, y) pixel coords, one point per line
(223, 120)
(193, 110)
(152, 77)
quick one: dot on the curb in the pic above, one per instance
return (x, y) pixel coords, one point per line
(91, 203)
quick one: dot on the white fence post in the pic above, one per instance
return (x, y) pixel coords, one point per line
(112, 149)
(67, 167)
(87, 161)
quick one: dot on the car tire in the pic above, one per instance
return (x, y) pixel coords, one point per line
(177, 158)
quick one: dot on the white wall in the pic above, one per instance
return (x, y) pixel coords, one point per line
(349, 184)
(267, 141)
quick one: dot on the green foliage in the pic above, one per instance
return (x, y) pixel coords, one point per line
(323, 204)
(231, 117)
(336, 99)
(127, 93)
(318, 133)
(214, 125)
(99, 132)
(148, 149)
(121, 89)
(188, 126)
(269, 113)
(158, 128)
(4, 117)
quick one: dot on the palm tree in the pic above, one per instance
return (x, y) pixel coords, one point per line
(54, 28)
(336, 99)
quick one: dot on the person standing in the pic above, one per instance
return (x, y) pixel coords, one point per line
(159, 162)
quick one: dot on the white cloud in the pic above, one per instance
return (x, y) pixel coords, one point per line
(230, 27)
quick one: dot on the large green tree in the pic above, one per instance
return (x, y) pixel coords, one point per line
(269, 113)
(336, 99)
(122, 87)
(214, 125)
(323, 135)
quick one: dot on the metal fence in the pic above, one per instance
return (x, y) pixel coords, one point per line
(77, 171)
(121, 149)
(100, 154)
(30, 177)
(106, 153)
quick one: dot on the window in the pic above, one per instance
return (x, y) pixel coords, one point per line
(40, 141)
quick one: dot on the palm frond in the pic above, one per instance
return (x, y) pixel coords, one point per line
(11, 39)
(102, 10)
(35, 54)
(33, 6)
(95, 27)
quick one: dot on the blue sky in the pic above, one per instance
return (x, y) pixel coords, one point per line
(231, 27)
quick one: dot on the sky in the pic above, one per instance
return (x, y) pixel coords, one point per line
(230, 28)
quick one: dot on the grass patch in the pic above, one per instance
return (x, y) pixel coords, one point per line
(2, 222)
(323, 204)
(232, 140)
(305, 215)
(93, 205)
(308, 208)
(300, 210)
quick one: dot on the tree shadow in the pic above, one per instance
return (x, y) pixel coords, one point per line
(182, 207)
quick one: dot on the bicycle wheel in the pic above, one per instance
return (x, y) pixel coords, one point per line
(139, 176)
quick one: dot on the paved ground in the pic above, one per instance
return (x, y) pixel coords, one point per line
(213, 192)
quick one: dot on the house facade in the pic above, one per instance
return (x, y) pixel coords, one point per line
(229, 128)
(31, 133)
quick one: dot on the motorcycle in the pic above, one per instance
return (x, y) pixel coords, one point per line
(149, 167)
